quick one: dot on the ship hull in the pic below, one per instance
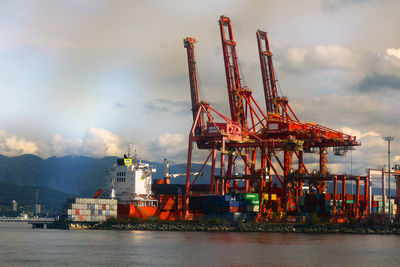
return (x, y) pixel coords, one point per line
(131, 211)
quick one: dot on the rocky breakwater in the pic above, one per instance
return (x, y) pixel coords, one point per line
(250, 227)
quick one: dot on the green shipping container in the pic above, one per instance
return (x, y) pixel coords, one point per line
(251, 196)
(252, 202)
(350, 201)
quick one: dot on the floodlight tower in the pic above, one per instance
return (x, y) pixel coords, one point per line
(389, 139)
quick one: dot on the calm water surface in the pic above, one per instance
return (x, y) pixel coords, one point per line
(21, 246)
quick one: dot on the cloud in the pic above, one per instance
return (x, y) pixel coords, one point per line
(162, 105)
(173, 146)
(335, 5)
(97, 142)
(371, 154)
(59, 146)
(321, 56)
(377, 81)
(101, 142)
(393, 52)
(12, 145)
(119, 105)
(358, 134)
(367, 72)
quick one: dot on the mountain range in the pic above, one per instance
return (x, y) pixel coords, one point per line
(77, 175)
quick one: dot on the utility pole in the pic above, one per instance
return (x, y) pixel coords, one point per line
(388, 139)
(36, 201)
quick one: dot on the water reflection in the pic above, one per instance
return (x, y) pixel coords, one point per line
(25, 246)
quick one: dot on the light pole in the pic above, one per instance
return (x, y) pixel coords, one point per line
(388, 139)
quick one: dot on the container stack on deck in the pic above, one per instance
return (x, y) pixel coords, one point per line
(229, 206)
(91, 209)
(377, 205)
(323, 204)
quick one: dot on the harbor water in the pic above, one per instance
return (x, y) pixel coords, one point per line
(22, 246)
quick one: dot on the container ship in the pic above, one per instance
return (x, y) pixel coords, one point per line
(130, 182)
(132, 194)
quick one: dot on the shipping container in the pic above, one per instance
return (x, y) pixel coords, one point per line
(253, 208)
(251, 196)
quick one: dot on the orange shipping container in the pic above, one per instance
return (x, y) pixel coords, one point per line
(234, 209)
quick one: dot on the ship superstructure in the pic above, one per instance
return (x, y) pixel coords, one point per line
(130, 182)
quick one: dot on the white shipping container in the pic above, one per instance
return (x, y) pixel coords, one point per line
(79, 206)
(85, 212)
(69, 212)
(253, 208)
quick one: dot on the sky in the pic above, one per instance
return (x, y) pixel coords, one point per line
(89, 77)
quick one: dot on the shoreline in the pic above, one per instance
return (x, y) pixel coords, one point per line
(250, 227)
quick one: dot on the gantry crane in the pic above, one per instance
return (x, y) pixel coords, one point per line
(253, 136)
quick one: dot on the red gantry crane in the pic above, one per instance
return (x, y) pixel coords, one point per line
(263, 142)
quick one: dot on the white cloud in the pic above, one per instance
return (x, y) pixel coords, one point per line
(59, 146)
(320, 56)
(101, 142)
(12, 145)
(357, 133)
(169, 145)
(393, 52)
(371, 154)
(97, 142)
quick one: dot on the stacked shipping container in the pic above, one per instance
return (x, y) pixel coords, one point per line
(377, 205)
(91, 209)
(231, 203)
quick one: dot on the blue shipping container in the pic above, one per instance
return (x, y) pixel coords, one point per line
(227, 198)
(234, 203)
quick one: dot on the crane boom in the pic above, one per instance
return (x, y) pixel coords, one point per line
(267, 72)
(194, 90)
(235, 90)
